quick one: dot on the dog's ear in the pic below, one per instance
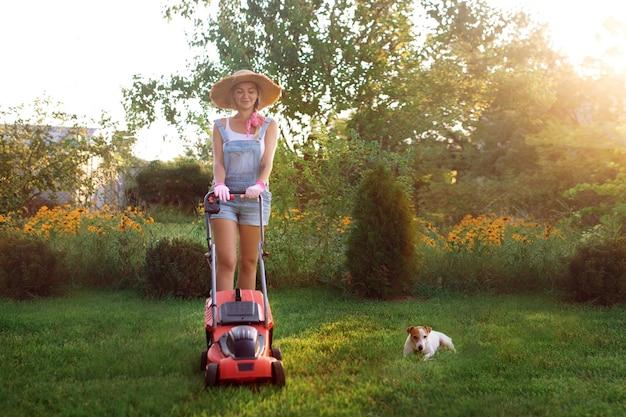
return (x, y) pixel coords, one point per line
(408, 329)
(428, 329)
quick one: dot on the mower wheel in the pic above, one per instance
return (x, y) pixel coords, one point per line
(203, 360)
(210, 375)
(278, 373)
(276, 353)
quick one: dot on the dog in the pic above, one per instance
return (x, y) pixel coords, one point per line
(425, 340)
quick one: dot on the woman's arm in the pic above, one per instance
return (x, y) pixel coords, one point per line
(219, 172)
(271, 140)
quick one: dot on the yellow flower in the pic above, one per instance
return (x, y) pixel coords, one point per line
(519, 238)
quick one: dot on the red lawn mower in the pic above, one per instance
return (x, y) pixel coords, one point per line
(238, 324)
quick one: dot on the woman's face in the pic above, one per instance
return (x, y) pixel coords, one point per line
(245, 95)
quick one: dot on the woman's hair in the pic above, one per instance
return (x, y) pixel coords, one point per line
(255, 120)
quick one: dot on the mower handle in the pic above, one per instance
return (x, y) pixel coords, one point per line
(211, 201)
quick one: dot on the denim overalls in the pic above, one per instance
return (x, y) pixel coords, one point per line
(242, 162)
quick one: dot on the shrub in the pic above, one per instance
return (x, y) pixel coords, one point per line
(176, 267)
(381, 246)
(307, 248)
(597, 272)
(29, 268)
(181, 183)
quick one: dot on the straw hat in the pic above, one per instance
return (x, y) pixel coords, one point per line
(221, 92)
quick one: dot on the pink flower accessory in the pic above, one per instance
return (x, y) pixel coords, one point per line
(254, 121)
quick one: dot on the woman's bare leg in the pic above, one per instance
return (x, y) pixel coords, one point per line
(225, 235)
(249, 237)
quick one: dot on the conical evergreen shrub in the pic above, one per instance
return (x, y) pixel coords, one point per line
(381, 255)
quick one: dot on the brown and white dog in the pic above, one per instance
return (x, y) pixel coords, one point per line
(425, 340)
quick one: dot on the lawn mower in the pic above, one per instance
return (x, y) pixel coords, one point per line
(238, 324)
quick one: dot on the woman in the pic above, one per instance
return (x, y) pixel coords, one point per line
(243, 154)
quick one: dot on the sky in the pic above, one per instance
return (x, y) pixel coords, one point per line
(577, 27)
(83, 52)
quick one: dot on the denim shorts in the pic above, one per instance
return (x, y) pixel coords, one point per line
(245, 210)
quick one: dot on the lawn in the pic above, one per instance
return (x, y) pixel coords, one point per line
(98, 353)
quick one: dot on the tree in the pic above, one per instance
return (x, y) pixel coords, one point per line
(328, 56)
(46, 151)
(460, 90)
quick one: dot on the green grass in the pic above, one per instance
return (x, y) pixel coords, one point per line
(191, 231)
(95, 353)
(169, 214)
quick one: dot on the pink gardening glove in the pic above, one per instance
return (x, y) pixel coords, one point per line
(221, 191)
(255, 190)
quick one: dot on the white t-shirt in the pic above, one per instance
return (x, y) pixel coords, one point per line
(232, 135)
